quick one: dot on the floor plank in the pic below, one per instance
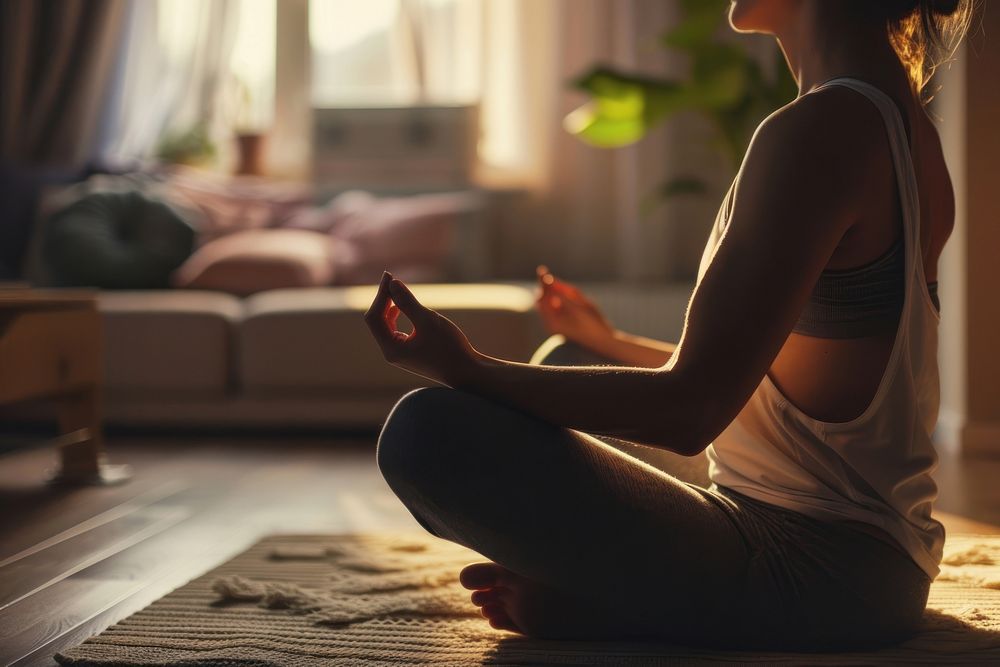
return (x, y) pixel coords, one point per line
(954, 523)
(56, 610)
(26, 576)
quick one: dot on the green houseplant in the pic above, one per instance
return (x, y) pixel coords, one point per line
(192, 146)
(726, 85)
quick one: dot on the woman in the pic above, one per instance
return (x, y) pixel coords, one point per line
(806, 369)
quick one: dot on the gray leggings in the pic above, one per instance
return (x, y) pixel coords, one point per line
(679, 561)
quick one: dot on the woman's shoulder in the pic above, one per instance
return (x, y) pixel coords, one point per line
(836, 125)
(832, 114)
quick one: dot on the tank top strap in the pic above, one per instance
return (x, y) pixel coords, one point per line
(906, 177)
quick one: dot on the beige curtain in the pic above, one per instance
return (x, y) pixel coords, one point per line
(585, 213)
(56, 58)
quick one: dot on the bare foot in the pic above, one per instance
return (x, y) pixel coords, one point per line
(512, 602)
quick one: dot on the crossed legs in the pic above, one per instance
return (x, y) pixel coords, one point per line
(584, 540)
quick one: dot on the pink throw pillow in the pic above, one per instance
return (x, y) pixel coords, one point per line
(416, 233)
(261, 259)
(336, 213)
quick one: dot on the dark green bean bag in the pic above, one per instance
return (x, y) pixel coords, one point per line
(116, 240)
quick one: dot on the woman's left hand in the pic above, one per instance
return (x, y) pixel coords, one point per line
(436, 348)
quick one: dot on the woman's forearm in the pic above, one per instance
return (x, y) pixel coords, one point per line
(648, 406)
(631, 350)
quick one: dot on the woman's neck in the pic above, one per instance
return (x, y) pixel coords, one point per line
(823, 42)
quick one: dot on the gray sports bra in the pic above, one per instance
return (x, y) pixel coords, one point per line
(853, 303)
(863, 301)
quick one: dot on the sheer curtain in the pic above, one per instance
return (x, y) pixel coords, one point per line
(175, 74)
(586, 216)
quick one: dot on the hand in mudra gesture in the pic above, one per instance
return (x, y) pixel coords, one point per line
(567, 311)
(436, 348)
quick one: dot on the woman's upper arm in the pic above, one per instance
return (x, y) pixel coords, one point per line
(796, 195)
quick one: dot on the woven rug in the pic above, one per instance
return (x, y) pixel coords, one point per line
(379, 600)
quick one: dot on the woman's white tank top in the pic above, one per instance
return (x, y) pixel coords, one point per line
(876, 468)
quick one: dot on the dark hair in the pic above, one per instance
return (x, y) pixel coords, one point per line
(925, 34)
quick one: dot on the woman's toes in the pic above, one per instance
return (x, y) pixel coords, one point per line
(503, 622)
(481, 575)
(481, 598)
(493, 610)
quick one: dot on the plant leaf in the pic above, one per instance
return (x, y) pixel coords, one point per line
(726, 85)
(623, 106)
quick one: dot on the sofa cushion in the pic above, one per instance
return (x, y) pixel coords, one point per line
(260, 259)
(169, 341)
(312, 340)
(415, 237)
(402, 233)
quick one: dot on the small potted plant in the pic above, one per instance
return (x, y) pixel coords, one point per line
(250, 137)
(191, 147)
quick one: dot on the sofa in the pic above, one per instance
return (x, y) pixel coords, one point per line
(186, 348)
(280, 358)
(238, 302)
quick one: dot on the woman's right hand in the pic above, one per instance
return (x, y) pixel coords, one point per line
(567, 311)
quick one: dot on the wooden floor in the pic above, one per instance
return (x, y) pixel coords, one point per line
(73, 561)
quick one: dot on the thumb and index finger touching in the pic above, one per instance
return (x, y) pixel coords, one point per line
(392, 298)
(406, 301)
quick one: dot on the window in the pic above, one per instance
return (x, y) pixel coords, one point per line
(354, 57)
(252, 64)
(218, 59)
(395, 52)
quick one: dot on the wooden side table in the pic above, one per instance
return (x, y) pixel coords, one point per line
(50, 349)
